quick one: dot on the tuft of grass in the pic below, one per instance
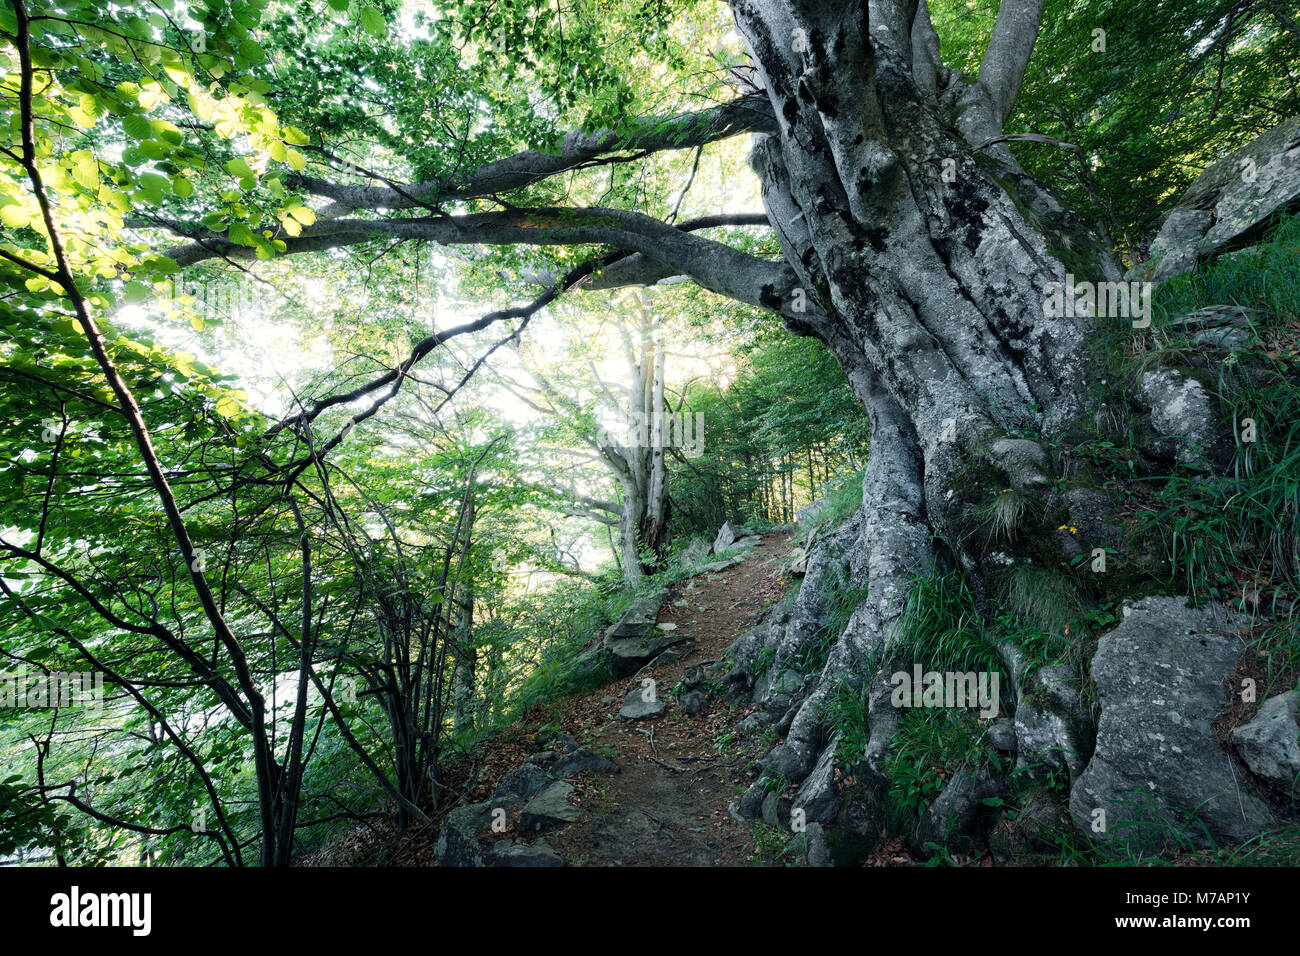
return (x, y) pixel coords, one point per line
(943, 630)
(1042, 597)
(1039, 646)
(762, 661)
(842, 498)
(928, 748)
(845, 709)
(1004, 515)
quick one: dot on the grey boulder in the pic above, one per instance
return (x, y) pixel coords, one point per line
(1269, 745)
(637, 707)
(549, 808)
(726, 537)
(1157, 771)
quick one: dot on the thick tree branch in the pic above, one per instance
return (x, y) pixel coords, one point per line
(713, 265)
(748, 114)
(1002, 70)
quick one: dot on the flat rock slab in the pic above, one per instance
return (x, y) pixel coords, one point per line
(629, 655)
(636, 707)
(581, 760)
(1162, 676)
(1221, 205)
(549, 808)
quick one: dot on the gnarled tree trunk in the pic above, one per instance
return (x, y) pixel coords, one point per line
(929, 252)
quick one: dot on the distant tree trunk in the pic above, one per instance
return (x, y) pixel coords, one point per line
(640, 464)
(466, 654)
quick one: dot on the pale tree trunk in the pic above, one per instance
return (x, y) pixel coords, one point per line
(634, 449)
(640, 463)
(929, 257)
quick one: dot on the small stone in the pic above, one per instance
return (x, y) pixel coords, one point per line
(1268, 743)
(1002, 734)
(509, 853)
(694, 701)
(636, 707)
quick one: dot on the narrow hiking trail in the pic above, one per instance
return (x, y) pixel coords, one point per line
(678, 772)
(668, 806)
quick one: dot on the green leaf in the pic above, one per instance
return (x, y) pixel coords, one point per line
(154, 186)
(15, 217)
(304, 215)
(372, 21)
(161, 264)
(137, 292)
(241, 234)
(251, 52)
(137, 126)
(239, 168)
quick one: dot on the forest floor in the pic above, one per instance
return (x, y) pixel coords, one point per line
(668, 805)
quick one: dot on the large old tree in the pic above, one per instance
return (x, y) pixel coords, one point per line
(915, 247)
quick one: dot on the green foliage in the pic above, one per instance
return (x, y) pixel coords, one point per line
(775, 436)
(928, 748)
(942, 630)
(846, 711)
(1237, 537)
(762, 661)
(1178, 84)
(1042, 597)
(1005, 513)
(843, 496)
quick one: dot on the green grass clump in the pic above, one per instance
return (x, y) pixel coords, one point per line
(1042, 597)
(1236, 537)
(841, 499)
(942, 629)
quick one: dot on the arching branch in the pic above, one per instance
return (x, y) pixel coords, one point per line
(713, 265)
(747, 114)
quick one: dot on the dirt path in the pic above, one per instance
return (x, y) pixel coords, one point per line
(668, 806)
